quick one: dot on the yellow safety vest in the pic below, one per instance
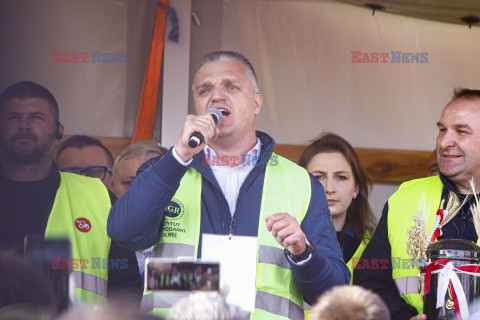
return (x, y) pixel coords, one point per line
(286, 188)
(358, 253)
(79, 214)
(402, 206)
(350, 264)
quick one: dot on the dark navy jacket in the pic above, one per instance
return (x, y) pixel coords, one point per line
(137, 217)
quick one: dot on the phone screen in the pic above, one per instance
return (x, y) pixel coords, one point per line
(53, 258)
(167, 275)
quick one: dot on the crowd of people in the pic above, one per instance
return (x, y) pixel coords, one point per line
(312, 222)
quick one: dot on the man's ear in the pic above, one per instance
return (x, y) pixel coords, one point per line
(258, 100)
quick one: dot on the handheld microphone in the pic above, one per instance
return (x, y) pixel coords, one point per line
(196, 138)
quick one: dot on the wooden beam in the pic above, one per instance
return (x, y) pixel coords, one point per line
(115, 145)
(382, 165)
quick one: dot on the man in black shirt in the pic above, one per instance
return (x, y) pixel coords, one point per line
(30, 181)
(458, 154)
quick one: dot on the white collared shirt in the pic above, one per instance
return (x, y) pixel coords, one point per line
(230, 179)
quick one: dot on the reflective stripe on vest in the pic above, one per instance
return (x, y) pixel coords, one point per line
(89, 282)
(83, 197)
(286, 188)
(407, 285)
(273, 256)
(278, 305)
(402, 207)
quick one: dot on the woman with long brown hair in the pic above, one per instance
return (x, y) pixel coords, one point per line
(334, 162)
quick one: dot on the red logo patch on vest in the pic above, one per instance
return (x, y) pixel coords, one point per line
(83, 224)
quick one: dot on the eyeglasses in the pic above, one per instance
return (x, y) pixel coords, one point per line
(93, 171)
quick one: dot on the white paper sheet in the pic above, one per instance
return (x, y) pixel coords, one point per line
(238, 259)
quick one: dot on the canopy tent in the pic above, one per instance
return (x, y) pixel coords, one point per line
(463, 12)
(315, 60)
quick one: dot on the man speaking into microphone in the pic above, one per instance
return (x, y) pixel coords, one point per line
(271, 198)
(196, 138)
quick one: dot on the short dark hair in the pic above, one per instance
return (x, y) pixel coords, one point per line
(82, 141)
(29, 89)
(233, 55)
(465, 93)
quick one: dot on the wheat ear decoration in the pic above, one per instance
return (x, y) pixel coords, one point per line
(417, 241)
(453, 206)
(474, 208)
(442, 203)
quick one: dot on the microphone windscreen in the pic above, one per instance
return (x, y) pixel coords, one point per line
(217, 115)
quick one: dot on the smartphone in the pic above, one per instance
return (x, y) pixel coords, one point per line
(165, 274)
(52, 257)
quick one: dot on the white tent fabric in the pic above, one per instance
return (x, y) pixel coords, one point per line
(91, 93)
(303, 54)
(302, 51)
